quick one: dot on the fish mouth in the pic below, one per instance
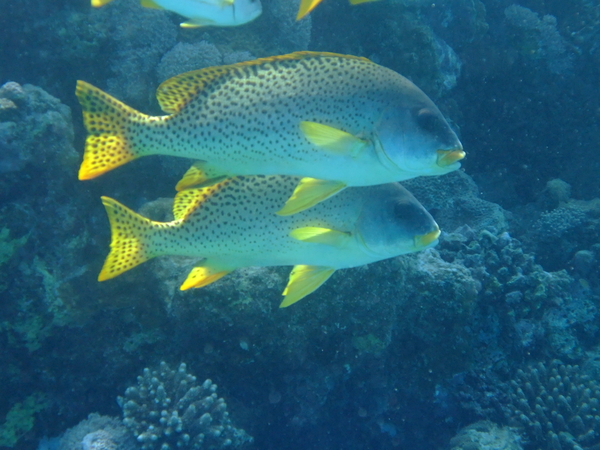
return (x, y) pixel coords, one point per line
(423, 240)
(448, 157)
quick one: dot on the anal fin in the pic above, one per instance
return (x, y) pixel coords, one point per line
(202, 276)
(309, 192)
(303, 281)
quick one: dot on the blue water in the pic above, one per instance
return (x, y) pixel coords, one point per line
(403, 353)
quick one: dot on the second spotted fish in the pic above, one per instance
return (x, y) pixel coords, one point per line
(340, 120)
(233, 224)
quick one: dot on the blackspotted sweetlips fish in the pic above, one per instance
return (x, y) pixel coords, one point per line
(306, 6)
(340, 120)
(201, 13)
(233, 224)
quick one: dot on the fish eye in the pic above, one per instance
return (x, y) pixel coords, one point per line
(427, 119)
(402, 210)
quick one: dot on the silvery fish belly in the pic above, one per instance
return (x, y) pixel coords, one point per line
(338, 120)
(233, 224)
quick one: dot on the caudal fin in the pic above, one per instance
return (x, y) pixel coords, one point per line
(108, 122)
(131, 239)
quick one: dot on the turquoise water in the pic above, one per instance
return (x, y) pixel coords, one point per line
(411, 352)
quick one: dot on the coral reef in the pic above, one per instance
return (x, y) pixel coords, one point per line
(168, 410)
(557, 406)
(185, 57)
(98, 433)
(485, 435)
(141, 36)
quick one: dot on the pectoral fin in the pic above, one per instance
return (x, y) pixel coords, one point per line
(196, 23)
(333, 140)
(201, 174)
(309, 192)
(202, 276)
(322, 236)
(303, 281)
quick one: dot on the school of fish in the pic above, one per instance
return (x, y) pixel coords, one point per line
(297, 159)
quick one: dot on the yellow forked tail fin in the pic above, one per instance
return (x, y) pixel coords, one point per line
(108, 122)
(130, 241)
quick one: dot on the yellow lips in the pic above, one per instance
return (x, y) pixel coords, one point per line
(447, 157)
(423, 240)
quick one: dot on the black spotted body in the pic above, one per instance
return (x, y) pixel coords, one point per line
(245, 119)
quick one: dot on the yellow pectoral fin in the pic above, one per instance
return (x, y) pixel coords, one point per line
(303, 281)
(332, 139)
(201, 174)
(322, 236)
(99, 3)
(202, 276)
(150, 4)
(196, 23)
(306, 6)
(309, 192)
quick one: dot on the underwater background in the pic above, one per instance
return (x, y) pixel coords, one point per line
(490, 340)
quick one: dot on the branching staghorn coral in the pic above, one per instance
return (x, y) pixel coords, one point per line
(557, 406)
(168, 409)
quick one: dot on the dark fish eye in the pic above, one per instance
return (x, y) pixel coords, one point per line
(427, 119)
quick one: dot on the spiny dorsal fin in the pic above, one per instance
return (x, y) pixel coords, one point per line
(201, 174)
(176, 92)
(189, 200)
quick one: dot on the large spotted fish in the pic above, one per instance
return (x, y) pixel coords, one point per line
(340, 120)
(233, 224)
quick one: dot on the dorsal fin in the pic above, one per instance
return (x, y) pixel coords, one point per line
(189, 200)
(174, 93)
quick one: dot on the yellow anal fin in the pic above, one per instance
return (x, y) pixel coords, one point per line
(306, 6)
(202, 276)
(309, 192)
(199, 175)
(107, 121)
(303, 281)
(150, 4)
(332, 139)
(322, 236)
(99, 3)
(130, 239)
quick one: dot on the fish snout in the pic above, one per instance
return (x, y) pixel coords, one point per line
(424, 240)
(448, 157)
